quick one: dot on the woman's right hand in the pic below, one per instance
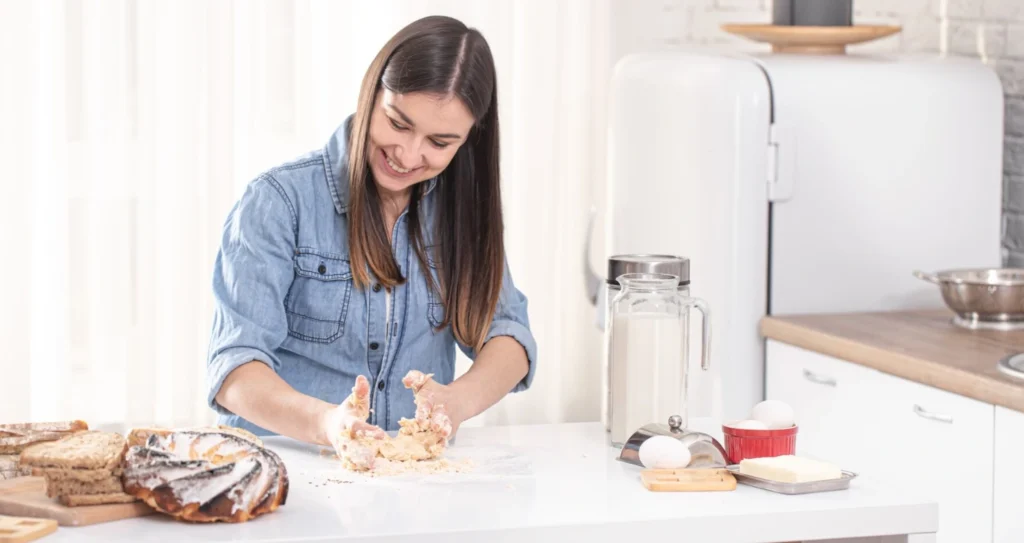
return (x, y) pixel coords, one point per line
(344, 426)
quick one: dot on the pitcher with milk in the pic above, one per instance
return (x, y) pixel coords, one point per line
(648, 305)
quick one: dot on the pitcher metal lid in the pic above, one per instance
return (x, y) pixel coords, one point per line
(674, 265)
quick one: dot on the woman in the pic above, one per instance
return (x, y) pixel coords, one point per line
(354, 265)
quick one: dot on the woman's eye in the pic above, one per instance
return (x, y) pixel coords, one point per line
(439, 144)
(395, 125)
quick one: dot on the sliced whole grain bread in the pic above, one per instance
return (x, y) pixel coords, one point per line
(96, 499)
(14, 438)
(16, 444)
(85, 450)
(81, 475)
(62, 487)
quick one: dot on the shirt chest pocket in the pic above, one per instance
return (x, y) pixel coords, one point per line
(317, 302)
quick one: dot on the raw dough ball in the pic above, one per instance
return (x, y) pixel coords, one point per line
(749, 424)
(663, 452)
(411, 447)
(773, 413)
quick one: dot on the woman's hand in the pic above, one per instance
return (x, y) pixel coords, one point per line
(345, 428)
(439, 408)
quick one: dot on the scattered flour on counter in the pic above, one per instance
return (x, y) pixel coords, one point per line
(458, 465)
(390, 468)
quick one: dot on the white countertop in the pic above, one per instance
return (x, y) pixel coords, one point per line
(538, 483)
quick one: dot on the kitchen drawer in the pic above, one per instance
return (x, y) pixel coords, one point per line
(827, 397)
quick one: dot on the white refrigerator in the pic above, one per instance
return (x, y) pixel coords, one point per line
(800, 184)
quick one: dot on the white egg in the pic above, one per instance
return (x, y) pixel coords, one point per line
(749, 424)
(773, 413)
(664, 452)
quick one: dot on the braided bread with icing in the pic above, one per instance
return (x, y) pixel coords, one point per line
(206, 476)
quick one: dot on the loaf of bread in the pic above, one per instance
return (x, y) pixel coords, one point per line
(85, 450)
(26, 428)
(206, 476)
(14, 438)
(81, 469)
(11, 468)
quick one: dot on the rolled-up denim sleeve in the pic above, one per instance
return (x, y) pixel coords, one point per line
(252, 273)
(512, 320)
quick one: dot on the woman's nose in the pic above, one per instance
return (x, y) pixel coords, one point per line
(400, 153)
(406, 155)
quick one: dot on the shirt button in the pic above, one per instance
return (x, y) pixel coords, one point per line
(374, 345)
(376, 288)
(322, 269)
(380, 385)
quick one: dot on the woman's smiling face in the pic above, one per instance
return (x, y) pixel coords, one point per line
(413, 137)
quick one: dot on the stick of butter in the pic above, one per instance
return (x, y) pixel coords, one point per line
(789, 469)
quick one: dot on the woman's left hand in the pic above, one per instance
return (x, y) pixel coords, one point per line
(437, 402)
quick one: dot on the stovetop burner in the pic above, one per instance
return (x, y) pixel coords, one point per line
(974, 324)
(1013, 365)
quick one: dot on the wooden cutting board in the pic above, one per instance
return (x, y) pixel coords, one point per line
(22, 484)
(26, 497)
(687, 480)
(22, 530)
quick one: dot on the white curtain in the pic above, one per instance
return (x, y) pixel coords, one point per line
(130, 127)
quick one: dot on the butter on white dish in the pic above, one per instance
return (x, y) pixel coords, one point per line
(789, 469)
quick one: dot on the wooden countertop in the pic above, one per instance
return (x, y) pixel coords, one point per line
(921, 346)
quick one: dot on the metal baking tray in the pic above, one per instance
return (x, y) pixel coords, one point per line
(809, 487)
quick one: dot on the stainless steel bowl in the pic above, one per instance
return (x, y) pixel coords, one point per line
(982, 297)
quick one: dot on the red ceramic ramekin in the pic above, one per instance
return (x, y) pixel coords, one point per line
(742, 443)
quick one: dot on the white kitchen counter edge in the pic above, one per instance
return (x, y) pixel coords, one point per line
(575, 489)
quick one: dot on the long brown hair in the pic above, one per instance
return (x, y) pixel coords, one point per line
(438, 55)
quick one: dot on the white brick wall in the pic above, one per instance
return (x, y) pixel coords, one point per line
(990, 29)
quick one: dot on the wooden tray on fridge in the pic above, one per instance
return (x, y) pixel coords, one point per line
(821, 40)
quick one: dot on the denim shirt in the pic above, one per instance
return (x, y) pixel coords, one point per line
(284, 295)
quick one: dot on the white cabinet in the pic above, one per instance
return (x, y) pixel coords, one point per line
(945, 442)
(882, 426)
(824, 395)
(1008, 521)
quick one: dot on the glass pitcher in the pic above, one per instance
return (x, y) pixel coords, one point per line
(648, 341)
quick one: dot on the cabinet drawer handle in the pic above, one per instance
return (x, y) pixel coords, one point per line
(922, 412)
(815, 378)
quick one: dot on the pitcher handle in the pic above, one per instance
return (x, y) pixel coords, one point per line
(705, 312)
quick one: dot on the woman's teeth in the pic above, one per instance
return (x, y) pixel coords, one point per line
(396, 167)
